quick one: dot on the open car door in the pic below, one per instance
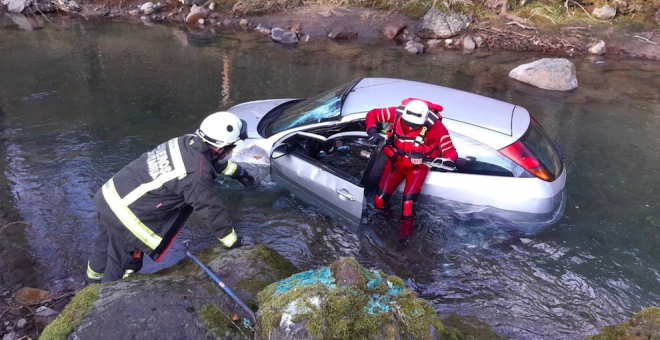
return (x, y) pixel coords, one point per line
(295, 164)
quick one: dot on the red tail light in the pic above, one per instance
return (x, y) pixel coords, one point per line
(520, 154)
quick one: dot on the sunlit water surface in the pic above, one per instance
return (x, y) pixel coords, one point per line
(78, 102)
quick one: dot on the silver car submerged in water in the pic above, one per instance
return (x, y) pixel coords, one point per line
(317, 147)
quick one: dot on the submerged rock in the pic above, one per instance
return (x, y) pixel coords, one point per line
(550, 74)
(438, 24)
(414, 47)
(345, 301)
(339, 33)
(644, 325)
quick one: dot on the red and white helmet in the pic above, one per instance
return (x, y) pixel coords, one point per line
(415, 113)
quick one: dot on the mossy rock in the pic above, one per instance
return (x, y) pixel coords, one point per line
(71, 316)
(470, 327)
(644, 325)
(250, 269)
(346, 301)
(182, 302)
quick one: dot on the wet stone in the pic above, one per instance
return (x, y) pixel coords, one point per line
(391, 30)
(340, 33)
(32, 295)
(283, 36)
(21, 323)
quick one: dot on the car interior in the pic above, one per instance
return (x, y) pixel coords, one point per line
(356, 160)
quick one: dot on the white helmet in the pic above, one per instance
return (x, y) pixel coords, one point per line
(222, 129)
(415, 113)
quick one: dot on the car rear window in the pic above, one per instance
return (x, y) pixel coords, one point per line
(542, 146)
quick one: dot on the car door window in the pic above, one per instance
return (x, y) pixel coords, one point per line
(478, 159)
(346, 157)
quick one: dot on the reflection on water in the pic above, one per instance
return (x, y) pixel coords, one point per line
(79, 102)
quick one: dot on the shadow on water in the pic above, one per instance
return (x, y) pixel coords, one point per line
(78, 102)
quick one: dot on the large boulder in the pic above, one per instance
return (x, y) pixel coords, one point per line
(644, 325)
(438, 24)
(549, 74)
(182, 302)
(346, 301)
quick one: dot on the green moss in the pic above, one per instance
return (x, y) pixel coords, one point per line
(185, 267)
(251, 285)
(644, 325)
(470, 327)
(342, 313)
(396, 280)
(211, 287)
(283, 267)
(66, 322)
(219, 324)
(190, 309)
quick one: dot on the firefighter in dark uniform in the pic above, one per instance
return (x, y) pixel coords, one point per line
(145, 205)
(416, 135)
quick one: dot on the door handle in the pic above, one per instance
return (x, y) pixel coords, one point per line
(344, 195)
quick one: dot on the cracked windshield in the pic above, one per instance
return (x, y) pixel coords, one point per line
(356, 170)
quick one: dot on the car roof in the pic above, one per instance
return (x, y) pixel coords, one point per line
(461, 106)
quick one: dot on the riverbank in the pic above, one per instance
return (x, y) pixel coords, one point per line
(566, 28)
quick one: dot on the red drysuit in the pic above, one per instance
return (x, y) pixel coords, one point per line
(400, 148)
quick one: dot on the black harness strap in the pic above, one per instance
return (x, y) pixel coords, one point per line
(432, 118)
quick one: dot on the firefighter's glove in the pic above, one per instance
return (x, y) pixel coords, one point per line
(242, 241)
(374, 136)
(244, 177)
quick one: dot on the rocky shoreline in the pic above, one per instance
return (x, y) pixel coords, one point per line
(437, 31)
(340, 301)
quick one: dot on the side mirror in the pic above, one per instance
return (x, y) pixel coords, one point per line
(281, 150)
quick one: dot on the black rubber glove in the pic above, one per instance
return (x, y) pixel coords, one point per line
(244, 177)
(242, 241)
(374, 136)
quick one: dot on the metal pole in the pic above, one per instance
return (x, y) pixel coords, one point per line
(217, 280)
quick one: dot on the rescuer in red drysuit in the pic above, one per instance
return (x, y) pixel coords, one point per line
(416, 135)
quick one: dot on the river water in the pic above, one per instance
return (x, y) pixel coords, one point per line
(79, 101)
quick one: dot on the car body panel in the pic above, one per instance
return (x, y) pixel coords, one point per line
(528, 195)
(461, 106)
(493, 123)
(519, 123)
(253, 111)
(340, 197)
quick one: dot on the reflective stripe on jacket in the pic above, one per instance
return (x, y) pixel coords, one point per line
(151, 196)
